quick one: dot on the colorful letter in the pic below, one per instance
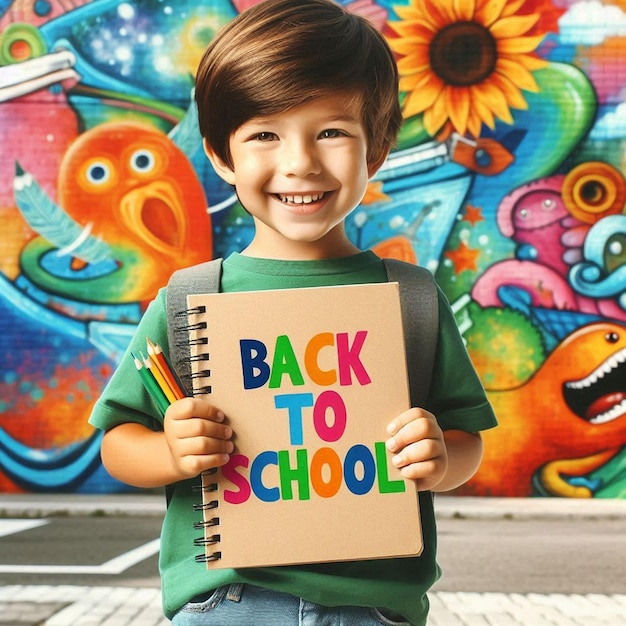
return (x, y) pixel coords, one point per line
(288, 474)
(285, 362)
(321, 377)
(329, 400)
(267, 494)
(229, 472)
(294, 402)
(359, 454)
(348, 357)
(326, 488)
(384, 484)
(253, 353)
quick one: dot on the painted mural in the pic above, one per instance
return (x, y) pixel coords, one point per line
(507, 183)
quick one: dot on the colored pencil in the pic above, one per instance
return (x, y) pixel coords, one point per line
(155, 352)
(156, 393)
(148, 363)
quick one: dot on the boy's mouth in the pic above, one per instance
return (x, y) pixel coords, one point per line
(300, 199)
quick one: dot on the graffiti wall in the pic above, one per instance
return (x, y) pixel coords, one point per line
(507, 183)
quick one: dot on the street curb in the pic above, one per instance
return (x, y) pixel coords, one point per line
(447, 507)
(469, 507)
(86, 505)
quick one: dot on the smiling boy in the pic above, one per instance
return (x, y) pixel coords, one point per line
(299, 173)
(298, 108)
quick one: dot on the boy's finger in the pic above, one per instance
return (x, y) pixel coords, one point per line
(408, 433)
(404, 419)
(195, 407)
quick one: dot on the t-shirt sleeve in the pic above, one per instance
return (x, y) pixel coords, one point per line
(457, 397)
(124, 398)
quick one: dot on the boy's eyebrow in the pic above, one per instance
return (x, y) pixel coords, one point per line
(339, 117)
(344, 117)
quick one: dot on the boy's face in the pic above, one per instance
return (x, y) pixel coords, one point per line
(299, 174)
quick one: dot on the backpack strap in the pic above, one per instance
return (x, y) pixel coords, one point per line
(202, 278)
(420, 321)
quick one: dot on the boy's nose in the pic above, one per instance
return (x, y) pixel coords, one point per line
(298, 158)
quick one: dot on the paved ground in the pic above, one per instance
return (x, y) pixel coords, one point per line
(127, 606)
(53, 605)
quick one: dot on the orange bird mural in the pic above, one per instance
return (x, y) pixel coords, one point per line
(132, 190)
(564, 422)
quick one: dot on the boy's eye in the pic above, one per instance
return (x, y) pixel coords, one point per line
(265, 136)
(330, 133)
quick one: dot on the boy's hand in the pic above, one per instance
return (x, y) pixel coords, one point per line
(419, 448)
(196, 436)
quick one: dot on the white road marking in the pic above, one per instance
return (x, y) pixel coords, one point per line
(116, 565)
(14, 526)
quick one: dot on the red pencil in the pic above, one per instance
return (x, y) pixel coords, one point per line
(157, 357)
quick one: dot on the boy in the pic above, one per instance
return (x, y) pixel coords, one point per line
(298, 107)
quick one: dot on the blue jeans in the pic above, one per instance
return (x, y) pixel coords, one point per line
(247, 605)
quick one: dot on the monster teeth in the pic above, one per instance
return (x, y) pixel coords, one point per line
(610, 364)
(612, 414)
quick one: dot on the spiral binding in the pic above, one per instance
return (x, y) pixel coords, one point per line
(182, 334)
(206, 540)
(208, 558)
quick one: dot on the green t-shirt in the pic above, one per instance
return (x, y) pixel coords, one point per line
(456, 397)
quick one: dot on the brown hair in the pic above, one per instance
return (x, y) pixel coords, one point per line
(280, 54)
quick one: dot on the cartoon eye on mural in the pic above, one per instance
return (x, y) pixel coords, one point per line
(507, 182)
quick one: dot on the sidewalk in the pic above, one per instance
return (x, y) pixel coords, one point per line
(126, 606)
(49, 605)
(46, 505)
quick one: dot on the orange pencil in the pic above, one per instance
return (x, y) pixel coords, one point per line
(160, 379)
(155, 352)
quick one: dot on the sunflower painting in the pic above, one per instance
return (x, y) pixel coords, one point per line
(465, 63)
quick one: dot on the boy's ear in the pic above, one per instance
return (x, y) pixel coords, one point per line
(372, 168)
(224, 171)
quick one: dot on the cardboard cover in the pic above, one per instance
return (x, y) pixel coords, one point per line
(308, 379)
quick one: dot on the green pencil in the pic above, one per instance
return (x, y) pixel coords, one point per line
(152, 387)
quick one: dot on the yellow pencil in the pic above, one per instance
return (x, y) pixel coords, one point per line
(155, 352)
(160, 379)
(158, 397)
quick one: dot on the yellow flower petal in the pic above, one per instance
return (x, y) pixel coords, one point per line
(518, 45)
(458, 103)
(512, 7)
(445, 9)
(413, 63)
(493, 98)
(435, 117)
(412, 30)
(409, 47)
(407, 12)
(511, 92)
(513, 26)
(516, 73)
(474, 124)
(531, 63)
(464, 10)
(479, 111)
(425, 93)
(489, 12)
(430, 14)
(410, 82)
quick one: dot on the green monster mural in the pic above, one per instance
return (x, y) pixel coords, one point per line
(507, 183)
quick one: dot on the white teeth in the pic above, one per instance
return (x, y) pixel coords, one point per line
(301, 199)
(612, 414)
(610, 364)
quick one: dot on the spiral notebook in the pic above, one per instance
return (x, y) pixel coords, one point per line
(308, 379)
